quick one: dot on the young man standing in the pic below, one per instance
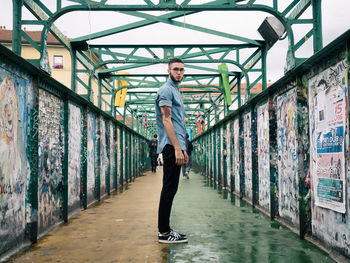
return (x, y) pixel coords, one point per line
(170, 114)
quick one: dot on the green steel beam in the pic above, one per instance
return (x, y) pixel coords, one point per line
(128, 27)
(224, 46)
(17, 24)
(192, 27)
(299, 9)
(317, 16)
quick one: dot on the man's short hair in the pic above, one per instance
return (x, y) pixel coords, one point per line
(155, 136)
(175, 60)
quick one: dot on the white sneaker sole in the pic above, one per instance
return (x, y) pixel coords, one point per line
(173, 241)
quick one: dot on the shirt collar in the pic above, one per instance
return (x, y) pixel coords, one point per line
(172, 83)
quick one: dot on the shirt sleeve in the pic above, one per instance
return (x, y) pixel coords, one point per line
(165, 97)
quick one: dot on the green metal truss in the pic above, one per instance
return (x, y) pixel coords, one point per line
(203, 92)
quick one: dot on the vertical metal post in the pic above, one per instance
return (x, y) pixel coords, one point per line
(241, 157)
(215, 156)
(219, 158)
(73, 54)
(17, 26)
(132, 120)
(99, 97)
(115, 181)
(137, 125)
(239, 95)
(273, 161)
(124, 115)
(108, 150)
(263, 66)
(32, 225)
(98, 160)
(210, 156)
(303, 158)
(65, 158)
(130, 157)
(254, 153)
(203, 147)
(122, 173)
(317, 18)
(83, 173)
(232, 156)
(125, 157)
(224, 156)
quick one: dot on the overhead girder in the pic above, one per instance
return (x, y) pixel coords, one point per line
(204, 54)
(296, 8)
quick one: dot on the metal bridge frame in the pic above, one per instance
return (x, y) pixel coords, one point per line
(112, 59)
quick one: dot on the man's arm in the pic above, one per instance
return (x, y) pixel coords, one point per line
(181, 157)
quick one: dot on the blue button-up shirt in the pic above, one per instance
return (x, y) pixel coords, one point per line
(169, 95)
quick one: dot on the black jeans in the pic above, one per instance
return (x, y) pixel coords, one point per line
(171, 175)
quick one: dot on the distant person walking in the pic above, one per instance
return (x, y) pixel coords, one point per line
(170, 114)
(153, 145)
(186, 167)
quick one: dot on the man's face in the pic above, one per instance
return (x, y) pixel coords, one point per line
(176, 72)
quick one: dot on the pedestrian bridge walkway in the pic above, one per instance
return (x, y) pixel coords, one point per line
(60, 154)
(220, 228)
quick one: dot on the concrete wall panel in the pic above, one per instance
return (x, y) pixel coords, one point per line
(263, 156)
(237, 156)
(248, 181)
(74, 156)
(288, 205)
(328, 106)
(103, 157)
(16, 101)
(50, 182)
(91, 158)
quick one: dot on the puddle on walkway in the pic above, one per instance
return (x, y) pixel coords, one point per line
(223, 228)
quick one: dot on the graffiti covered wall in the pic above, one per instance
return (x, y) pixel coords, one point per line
(74, 156)
(288, 205)
(328, 96)
(48, 153)
(50, 184)
(263, 156)
(302, 152)
(16, 102)
(248, 190)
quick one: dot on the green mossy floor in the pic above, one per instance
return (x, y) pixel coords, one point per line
(222, 228)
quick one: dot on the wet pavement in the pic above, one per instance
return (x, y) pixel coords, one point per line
(220, 228)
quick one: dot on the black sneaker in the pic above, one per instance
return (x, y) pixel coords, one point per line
(172, 237)
(183, 235)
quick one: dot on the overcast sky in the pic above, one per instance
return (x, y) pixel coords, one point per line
(335, 21)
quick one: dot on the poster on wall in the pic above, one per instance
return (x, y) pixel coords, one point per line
(328, 92)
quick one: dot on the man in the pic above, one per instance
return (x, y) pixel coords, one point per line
(153, 145)
(186, 167)
(170, 114)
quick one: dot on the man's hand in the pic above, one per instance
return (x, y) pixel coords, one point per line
(181, 157)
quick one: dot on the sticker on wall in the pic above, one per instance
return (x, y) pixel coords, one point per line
(327, 102)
